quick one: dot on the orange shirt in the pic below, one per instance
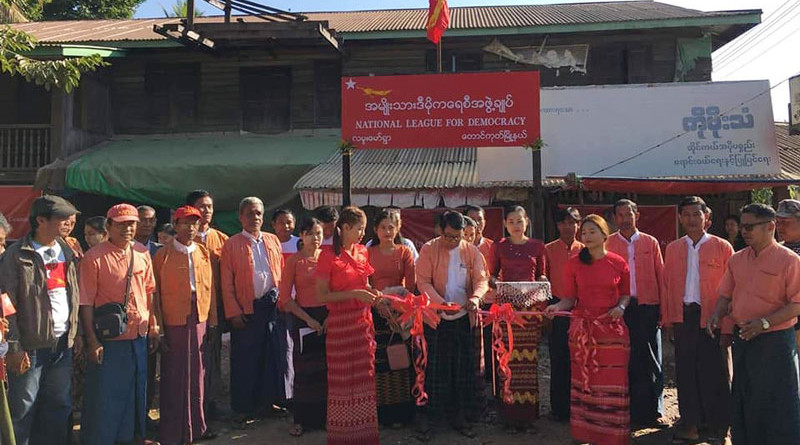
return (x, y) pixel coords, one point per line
(649, 265)
(75, 245)
(432, 270)
(760, 285)
(557, 255)
(171, 269)
(236, 271)
(713, 260)
(103, 274)
(298, 273)
(214, 242)
(396, 269)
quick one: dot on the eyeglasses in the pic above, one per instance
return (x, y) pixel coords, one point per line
(454, 238)
(750, 227)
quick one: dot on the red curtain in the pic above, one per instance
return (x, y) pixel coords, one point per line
(15, 203)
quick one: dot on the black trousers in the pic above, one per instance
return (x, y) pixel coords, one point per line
(558, 346)
(644, 370)
(704, 392)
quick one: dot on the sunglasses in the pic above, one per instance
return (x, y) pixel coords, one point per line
(750, 227)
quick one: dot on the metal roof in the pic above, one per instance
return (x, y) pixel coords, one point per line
(464, 18)
(435, 169)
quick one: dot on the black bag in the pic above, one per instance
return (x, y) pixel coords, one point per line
(111, 319)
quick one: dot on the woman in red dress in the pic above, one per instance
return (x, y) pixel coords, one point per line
(597, 285)
(342, 283)
(519, 258)
(311, 375)
(394, 266)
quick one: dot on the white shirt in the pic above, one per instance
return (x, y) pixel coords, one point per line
(187, 250)
(455, 290)
(290, 247)
(262, 275)
(327, 241)
(631, 259)
(204, 235)
(406, 242)
(691, 293)
(56, 273)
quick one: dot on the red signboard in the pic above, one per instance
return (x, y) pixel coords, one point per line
(658, 221)
(15, 203)
(441, 110)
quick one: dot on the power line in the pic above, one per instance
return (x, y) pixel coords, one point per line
(755, 39)
(761, 53)
(660, 144)
(723, 52)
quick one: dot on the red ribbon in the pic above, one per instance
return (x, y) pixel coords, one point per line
(584, 327)
(417, 310)
(496, 315)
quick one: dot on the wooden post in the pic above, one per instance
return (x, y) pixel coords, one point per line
(190, 14)
(537, 203)
(347, 155)
(227, 11)
(439, 56)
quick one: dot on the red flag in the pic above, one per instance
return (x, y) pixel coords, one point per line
(438, 20)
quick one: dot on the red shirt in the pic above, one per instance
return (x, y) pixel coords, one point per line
(298, 274)
(518, 262)
(557, 255)
(598, 285)
(345, 272)
(395, 269)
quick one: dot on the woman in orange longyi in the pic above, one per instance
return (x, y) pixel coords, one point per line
(597, 285)
(342, 283)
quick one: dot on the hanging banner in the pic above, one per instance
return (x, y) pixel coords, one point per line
(441, 110)
(15, 204)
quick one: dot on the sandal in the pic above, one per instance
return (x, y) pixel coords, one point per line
(296, 430)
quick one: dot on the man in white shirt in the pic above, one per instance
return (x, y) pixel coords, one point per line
(39, 273)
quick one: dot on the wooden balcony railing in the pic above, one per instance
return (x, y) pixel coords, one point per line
(24, 147)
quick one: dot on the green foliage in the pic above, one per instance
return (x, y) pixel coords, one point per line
(763, 196)
(88, 9)
(64, 73)
(180, 9)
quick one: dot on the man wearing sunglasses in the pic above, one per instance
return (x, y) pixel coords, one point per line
(39, 273)
(760, 291)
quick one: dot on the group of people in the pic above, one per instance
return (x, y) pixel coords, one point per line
(313, 329)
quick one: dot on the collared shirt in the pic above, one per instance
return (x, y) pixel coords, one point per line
(262, 276)
(203, 235)
(691, 293)
(456, 287)
(103, 278)
(761, 285)
(55, 265)
(187, 250)
(631, 259)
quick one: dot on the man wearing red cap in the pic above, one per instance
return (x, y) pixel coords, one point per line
(251, 266)
(184, 289)
(117, 271)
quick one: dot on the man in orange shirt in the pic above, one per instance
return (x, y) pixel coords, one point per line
(761, 293)
(185, 289)
(213, 240)
(693, 269)
(251, 266)
(643, 254)
(450, 270)
(114, 399)
(557, 255)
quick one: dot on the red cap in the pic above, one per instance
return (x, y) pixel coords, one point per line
(123, 213)
(186, 212)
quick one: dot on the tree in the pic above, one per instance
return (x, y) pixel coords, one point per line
(63, 73)
(180, 9)
(76, 9)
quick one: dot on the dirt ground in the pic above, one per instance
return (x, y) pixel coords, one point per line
(275, 430)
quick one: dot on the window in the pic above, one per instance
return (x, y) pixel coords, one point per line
(454, 62)
(266, 99)
(172, 94)
(327, 93)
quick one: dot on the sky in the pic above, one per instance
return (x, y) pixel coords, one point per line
(768, 51)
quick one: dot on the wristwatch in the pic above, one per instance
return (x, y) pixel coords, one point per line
(764, 324)
(621, 306)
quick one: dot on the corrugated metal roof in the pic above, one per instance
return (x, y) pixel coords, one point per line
(478, 17)
(424, 168)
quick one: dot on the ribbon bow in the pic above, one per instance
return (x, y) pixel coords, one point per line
(496, 315)
(417, 311)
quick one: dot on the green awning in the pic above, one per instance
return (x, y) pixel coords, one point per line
(161, 170)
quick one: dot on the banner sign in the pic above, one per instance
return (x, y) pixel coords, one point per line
(441, 110)
(15, 204)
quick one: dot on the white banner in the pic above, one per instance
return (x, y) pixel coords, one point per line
(699, 128)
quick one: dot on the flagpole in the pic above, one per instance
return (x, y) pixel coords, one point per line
(439, 56)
